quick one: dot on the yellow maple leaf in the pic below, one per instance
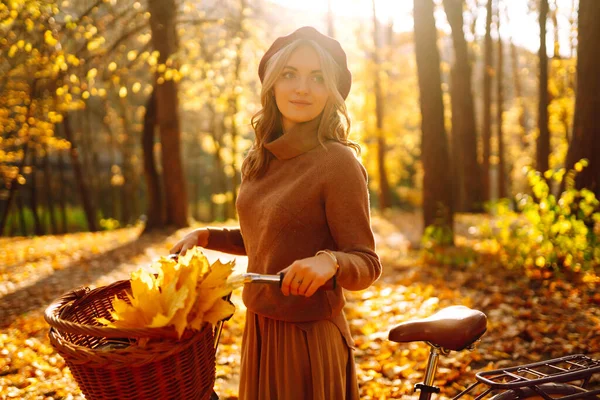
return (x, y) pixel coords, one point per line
(126, 315)
(219, 311)
(195, 256)
(195, 320)
(213, 287)
(218, 274)
(188, 279)
(210, 293)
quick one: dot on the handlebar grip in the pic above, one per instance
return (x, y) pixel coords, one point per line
(329, 285)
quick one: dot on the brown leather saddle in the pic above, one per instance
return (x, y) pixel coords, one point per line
(451, 328)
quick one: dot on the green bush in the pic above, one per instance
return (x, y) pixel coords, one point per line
(550, 235)
(437, 247)
(76, 220)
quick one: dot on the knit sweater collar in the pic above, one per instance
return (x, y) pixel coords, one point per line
(300, 139)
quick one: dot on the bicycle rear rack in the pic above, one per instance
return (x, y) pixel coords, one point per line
(577, 367)
(564, 369)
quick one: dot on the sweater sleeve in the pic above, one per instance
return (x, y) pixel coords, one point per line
(226, 240)
(348, 216)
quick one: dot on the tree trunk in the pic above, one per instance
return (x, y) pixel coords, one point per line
(81, 184)
(554, 17)
(234, 109)
(573, 30)
(49, 192)
(467, 178)
(218, 177)
(126, 169)
(21, 211)
(437, 186)
(502, 173)
(543, 139)
(88, 133)
(112, 151)
(585, 142)
(487, 102)
(155, 204)
(62, 195)
(198, 175)
(33, 197)
(385, 198)
(165, 41)
(12, 191)
(519, 94)
(330, 25)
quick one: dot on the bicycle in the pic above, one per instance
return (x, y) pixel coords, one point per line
(457, 328)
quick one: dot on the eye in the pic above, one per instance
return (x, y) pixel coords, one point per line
(288, 75)
(318, 79)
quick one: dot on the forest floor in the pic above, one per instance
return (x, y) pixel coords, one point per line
(527, 320)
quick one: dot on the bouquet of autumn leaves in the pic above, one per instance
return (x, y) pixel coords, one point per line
(182, 293)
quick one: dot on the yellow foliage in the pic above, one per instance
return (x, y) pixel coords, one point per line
(183, 294)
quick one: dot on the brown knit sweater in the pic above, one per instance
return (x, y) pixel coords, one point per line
(311, 198)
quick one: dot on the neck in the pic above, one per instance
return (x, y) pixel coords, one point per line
(287, 125)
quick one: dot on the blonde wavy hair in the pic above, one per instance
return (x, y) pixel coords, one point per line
(334, 124)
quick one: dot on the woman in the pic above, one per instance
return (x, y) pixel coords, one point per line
(303, 208)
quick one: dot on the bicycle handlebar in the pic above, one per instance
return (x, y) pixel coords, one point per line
(251, 277)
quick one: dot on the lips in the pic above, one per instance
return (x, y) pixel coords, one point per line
(300, 102)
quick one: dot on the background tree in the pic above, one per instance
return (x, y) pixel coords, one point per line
(488, 71)
(330, 20)
(467, 175)
(585, 142)
(543, 138)
(502, 178)
(155, 210)
(437, 186)
(165, 41)
(385, 200)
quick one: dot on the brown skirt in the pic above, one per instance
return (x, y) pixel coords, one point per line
(287, 361)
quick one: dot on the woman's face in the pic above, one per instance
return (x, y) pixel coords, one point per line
(300, 91)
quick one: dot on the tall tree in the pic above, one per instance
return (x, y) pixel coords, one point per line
(502, 181)
(554, 17)
(516, 77)
(543, 139)
(573, 29)
(165, 41)
(86, 202)
(155, 209)
(385, 198)
(467, 176)
(486, 133)
(437, 187)
(585, 141)
(48, 178)
(330, 25)
(241, 35)
(62, 193)
(33, 196)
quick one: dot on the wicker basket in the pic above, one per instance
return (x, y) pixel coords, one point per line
(108, 363)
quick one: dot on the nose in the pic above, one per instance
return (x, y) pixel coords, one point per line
(302, 86)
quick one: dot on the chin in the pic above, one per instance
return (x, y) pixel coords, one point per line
(300, 118)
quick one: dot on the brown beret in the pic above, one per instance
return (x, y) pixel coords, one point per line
(329, 44)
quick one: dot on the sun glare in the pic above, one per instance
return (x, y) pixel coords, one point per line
(518, 23)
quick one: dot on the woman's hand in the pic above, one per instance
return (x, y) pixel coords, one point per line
(197, 237)
(304, 277)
